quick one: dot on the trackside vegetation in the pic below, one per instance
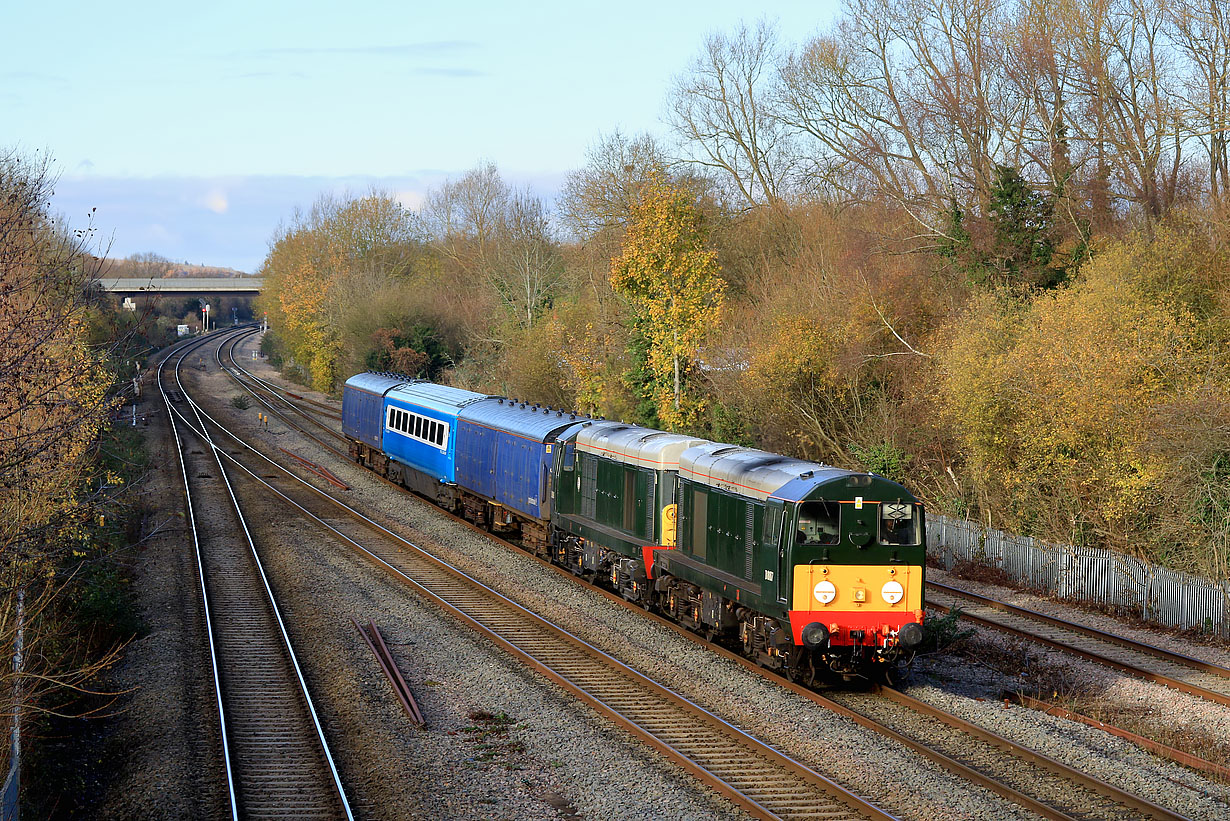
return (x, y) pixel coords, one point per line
(67, 473)
(987, 258)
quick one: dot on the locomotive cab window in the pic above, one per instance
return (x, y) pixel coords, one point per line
(819, 523)
(898, 523)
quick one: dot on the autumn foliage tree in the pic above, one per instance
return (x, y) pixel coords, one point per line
(672, 283)
(54, 399)
(977, 246)
(339, 256)
(1056, 403)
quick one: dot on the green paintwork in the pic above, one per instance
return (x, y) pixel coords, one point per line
(740, 547)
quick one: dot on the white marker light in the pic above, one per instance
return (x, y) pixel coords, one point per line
(825, 592)
(892, 592)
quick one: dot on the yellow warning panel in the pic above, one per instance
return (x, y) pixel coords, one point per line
(670, 525)
(895, 588)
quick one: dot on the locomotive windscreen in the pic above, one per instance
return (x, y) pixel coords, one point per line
(819, 523)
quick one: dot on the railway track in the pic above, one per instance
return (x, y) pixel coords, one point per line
(277, 400)
(275, 756)
(1035, 781)
(762, 780)
(1038, 783)
(1190, 675)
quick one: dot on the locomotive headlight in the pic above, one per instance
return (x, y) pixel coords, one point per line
(825, 591)
(815, 634)
(892, 592)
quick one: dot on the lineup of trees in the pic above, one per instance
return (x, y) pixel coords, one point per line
(978, 247)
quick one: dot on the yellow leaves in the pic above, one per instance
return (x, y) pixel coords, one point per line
(1053, 400)
(798, 347)
(309, 272)
(672, 281)
(54, 397)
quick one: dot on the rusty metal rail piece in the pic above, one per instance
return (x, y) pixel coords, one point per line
(312, 467)
(375, 642)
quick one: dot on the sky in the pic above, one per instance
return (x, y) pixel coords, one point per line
(195, 132)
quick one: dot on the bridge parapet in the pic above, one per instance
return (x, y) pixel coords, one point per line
(233, 286)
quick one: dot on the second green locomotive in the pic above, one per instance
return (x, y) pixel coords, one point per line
(810, 569)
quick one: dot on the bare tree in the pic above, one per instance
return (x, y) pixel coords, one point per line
(601, 195)
(905, 101)
(1202, 35)
(464, 216)
(721, 112)
(528, 265)
(1125, 78)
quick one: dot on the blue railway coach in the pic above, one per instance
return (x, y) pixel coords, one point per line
(416, 426)
(420, 426)
(503, 460)
(363, 406)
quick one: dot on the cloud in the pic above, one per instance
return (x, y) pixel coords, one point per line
(216, 201)
(424, 49)
(410, 200)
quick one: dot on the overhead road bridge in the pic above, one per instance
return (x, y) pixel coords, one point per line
(134, 291)
(184, 286)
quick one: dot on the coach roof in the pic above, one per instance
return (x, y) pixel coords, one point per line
(441, 398)
(540, 424)
(375, 383)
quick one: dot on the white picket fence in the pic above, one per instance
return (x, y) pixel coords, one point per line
(1102, 577)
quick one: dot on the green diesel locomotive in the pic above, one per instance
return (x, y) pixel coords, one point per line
(809, 569)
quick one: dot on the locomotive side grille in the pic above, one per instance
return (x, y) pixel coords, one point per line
(589, 488)
(650, 505)
(749, 541)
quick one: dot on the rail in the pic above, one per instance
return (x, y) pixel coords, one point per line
(267, 779)
(1118, 798)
